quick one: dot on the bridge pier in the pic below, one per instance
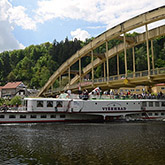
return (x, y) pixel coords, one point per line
(152, 51)
(107, 60)
(148, 57)
(125, 56)
(133, 54)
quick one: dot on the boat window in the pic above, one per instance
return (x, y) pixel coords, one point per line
(144, 104)
(12, 116)
(26, 104)
(150, 114)
(22, 116)
(52, 116)
(143, 114)
(62, 116)
(59, 104)
(2, 116)
(33, 116)
(40, 103)
(162, 114)
(43, 116)
(156, 104)
(49, 103)
(156, 114)
(150, 104)
(163, 104)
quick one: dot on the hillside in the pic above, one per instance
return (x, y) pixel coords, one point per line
(36, 63)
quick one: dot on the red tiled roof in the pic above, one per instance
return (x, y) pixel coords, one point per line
(11, 85)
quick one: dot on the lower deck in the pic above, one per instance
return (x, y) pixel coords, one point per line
(33, 117)
(26, 117)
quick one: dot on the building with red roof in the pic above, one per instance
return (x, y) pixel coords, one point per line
(12, 89)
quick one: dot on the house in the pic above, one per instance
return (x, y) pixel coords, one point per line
(12, 89)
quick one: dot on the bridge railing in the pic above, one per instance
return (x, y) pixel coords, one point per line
(85, 82)
(156, 71)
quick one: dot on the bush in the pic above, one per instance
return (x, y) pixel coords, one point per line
(2, 101)
(16, 100)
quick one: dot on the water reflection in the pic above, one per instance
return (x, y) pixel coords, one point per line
(112, 143)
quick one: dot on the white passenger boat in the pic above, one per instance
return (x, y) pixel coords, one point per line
(78, 110)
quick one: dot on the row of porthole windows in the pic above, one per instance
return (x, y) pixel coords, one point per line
(154, 114)
(134, 103)
(31, 116)
(127, 103)
(151, 104)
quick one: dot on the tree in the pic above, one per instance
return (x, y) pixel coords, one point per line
(16, 100)
(2, 101)
(44, 76)
(11, 76)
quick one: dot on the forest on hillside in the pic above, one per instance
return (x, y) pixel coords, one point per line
(36, 63)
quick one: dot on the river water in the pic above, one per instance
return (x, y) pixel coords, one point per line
(83, 144)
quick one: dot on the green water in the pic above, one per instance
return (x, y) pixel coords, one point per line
(83, 144)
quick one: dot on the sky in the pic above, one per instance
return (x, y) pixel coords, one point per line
(33, 22)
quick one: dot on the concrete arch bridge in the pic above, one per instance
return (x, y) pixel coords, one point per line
(147, 77)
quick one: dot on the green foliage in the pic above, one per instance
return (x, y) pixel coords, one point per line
(98, 72)
(1, 101)
(16, 100)
(36, 63)
(7, 102)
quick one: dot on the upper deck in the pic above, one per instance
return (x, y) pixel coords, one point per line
(92, 104)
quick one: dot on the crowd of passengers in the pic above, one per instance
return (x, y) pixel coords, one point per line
(5, 107)
(128, 95)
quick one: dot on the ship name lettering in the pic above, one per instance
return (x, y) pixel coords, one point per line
(113, 108)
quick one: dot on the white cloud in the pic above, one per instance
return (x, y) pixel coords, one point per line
(17, 15)
(96, 27)
(109, 12)
(80, 34)
(106, 13)
(10, 17)
(7, 39)
(74, 9)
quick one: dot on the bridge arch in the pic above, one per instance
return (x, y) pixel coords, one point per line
(113, 33)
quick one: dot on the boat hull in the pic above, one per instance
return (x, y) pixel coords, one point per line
(76, 110)
(24, 117)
